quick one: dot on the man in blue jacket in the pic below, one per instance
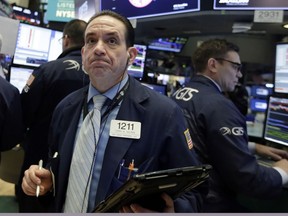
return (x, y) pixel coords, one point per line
(219, 131)
(161, 141)
(46, 87)
(11, 124)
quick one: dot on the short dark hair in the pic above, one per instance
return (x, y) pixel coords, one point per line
(75, 29)
(129, 34)
(213, 48)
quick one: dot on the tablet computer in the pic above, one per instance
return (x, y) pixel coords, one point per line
(146, 189)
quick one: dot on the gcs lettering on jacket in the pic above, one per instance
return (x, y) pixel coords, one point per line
(236, 131)
(185, 94)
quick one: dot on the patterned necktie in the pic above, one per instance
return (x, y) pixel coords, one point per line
(82, 160)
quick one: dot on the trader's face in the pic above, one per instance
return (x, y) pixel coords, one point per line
(229, 71)
(105, 55)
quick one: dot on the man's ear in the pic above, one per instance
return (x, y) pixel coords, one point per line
(212, 65)
(131, 54)
(66, 42)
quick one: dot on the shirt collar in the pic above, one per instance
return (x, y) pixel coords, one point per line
(219, 88)
(111, 93)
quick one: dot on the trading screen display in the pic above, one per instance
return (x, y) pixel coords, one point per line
(171, 44)
(19, 76)
(149, 8)
(250, 5)
(276, 128)
(136, 69)
(260, 91)
(36, 45)
(281, 69)
(26, 15)
(258, 105)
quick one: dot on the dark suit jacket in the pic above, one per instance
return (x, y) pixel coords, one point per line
(162, 144)
(11, 124)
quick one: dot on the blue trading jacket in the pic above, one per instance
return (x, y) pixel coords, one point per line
(219, 134)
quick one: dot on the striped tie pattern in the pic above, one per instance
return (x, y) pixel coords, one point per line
(82, 160)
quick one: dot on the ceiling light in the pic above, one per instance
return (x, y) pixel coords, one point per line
(285, 26)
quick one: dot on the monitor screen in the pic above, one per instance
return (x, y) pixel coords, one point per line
(36, 45)
(27, 16)
(157, 87)
(136, 69)
(250, 5)
(8, 35)
(19, 76)
(171, 44)
(281, 68)
(150, 8)
(259, 91)
(55, 48)
(276, 126)
(258, 105)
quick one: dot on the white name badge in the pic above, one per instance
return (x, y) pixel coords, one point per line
(125, 129)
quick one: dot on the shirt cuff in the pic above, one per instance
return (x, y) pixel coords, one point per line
(283, 174)
(251, 146)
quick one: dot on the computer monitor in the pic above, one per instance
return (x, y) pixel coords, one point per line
(281, 68)
(36, 45)
(171, 44)
(258, 105)
(8, 34)
(255, 119)
(26, 15)
(136, 69)
(260, 91)
(19, 76)
(276, 124)
(55, 48)
(157, 87)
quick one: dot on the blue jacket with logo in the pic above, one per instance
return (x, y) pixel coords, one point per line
(219, 134)
(47, 86)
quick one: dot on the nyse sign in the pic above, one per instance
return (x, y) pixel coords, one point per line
(60, 10)
(65, 9)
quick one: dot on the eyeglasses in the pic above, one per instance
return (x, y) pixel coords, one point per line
(236, 65)
(61, 39)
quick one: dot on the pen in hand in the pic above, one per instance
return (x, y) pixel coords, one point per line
(38, 186)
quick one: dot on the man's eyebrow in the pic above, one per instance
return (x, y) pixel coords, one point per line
(114, 33)
(89, 34)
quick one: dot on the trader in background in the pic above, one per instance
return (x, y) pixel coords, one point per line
(11, 124)
(46, 87)
(218, 131)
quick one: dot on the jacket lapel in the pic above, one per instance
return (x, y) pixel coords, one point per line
(131, 109)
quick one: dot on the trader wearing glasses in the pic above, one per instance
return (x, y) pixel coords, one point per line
(219, 131)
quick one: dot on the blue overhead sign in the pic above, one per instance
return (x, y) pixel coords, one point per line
(60, 10)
